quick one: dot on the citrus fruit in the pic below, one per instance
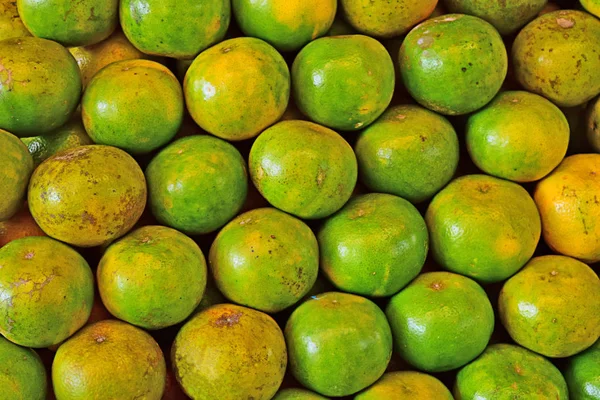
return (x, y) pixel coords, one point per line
(552, 306)
(18, 226)
(374, 246)
(224, 103)
(453, 64)
(17, 166)
(496, 143)
(297, 394)
(583, 374)
(593, 124)
(483, 227)
(47, 290)
(174, 28)
(109, 360)
(11, 25)
(340, 27)
(247, 352)
(287, 25)
(440, 321)
(40, 85)
(506, 371)
(592, 6)
(406, 385)
(153, 278)
(556, 56)
(328, 337)
(71, 23)
(569, 203)
(87, 196)
(197, 184)
(384, 18)
(343, 82)
(146, 106)
(324, 182)
(268, 249)
(409, 151)
(211, 296)
(22, 374)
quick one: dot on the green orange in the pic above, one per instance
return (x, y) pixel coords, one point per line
(40, 85)
(498, 147)
(328, 338)
(297, 394)
(22, 374)
(197, 184)
(343, 82)
(592, 6)
(47, 291)
(453, 64)
(593, 124)
(409, 151)
(552, 306)
(11, 25)
(440, 321)
(17, 166)
(406, 385)
(583, 374)
(247, 352)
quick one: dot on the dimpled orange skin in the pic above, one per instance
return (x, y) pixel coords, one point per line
(569, 204)
(87, 196)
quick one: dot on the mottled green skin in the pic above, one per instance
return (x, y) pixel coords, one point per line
(70, 135)
(40, 86)
(153, 278)
(583, 374)
(17, 166)
(483, 227)
(409, 151)
(268, 249)
(237, 106)
(374, 246)
(197, 184)
(22, 374)
(593, 125)
(288, 25)
(174, 28)
(552, 306)
(497, 145)
(440, 321)
(343, 82)
(406, 385)
(87, 196)
(558, 56)
(247, 354)
(71, 23)
(146, 106)
(11, 25)
(453, 64)
(47, 291)
(507, 16)
(592, 6)
(325, 180)
(297, 394)
(329, 338)
(507, 372)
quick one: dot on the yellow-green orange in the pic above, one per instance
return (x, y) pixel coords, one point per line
(146, 106)
(40, 85)
(557, 56)
(268, 249)
(328, 337)
(569, 203)
(440, 321)
(552, 306)
(497, 145)
(286, 24)
(247, 351)
(47, 291)
(406, 385)
(22, 374)
(593, 124)
(385, 18)
(153, 278)
(197, 184)
(409, 151)
(506, 371)
(11, 25)
(343, 82)
(237, 106)
(109, 360)
(483, 227)
(297, 394)
(583, 374)
(17, 166)
(325, 180)
(87, 196)
(592, 6)
(453, 64)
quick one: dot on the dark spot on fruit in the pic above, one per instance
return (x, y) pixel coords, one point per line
(273, 237)
(463, 69)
